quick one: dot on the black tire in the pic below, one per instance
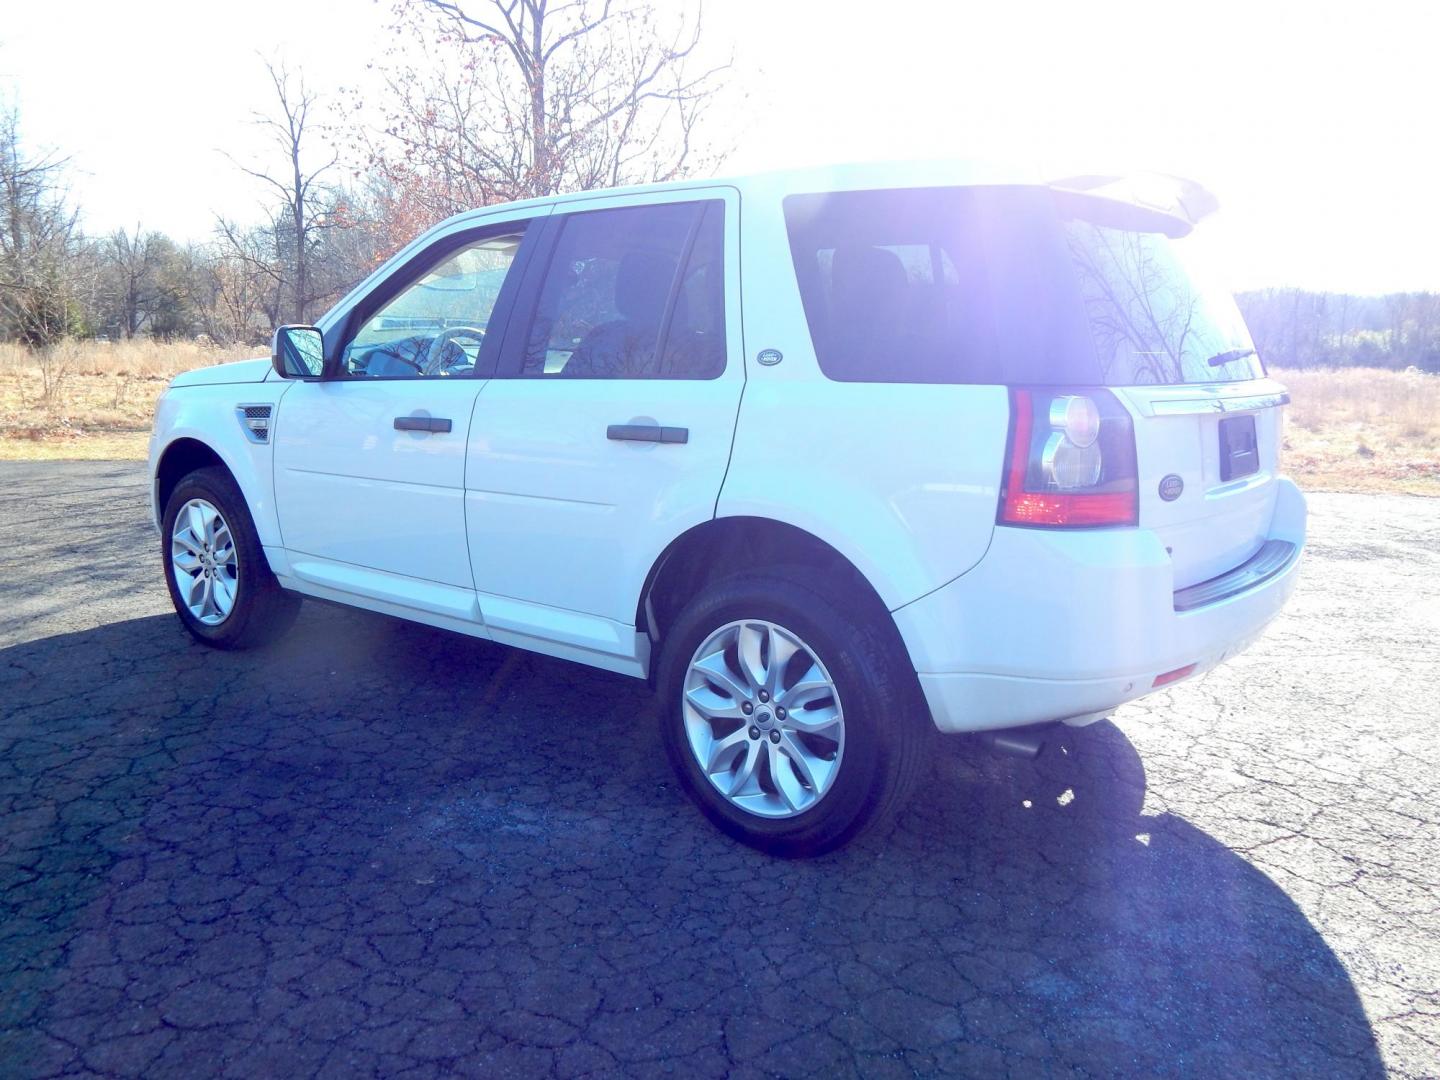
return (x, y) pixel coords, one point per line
(887, 724)
(263, 611)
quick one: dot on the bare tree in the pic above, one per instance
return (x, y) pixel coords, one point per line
(38, 243)
(304, 199)
(132, 262)
(250, 279)
(539, 98)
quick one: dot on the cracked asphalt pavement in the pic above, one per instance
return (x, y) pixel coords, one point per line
(380, 848)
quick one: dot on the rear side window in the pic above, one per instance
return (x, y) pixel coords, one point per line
(633, 293)
(695, 338)
(1004, 285)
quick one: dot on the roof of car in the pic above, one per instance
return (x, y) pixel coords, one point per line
(1175, 196)
(1182, 202)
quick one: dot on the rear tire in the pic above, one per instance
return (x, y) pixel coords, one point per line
(844, 757)
(215, 569)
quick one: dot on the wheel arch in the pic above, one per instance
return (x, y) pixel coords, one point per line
(182, 457)
(189, 450)
(722, 546)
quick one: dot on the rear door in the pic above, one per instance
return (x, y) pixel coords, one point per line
(1208, 458)
(607, 429)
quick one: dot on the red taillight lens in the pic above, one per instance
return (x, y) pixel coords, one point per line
(1071, 462)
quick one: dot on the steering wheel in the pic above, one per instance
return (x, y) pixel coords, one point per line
(435, 362)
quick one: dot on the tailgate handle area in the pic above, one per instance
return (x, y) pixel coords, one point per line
(1210, 405)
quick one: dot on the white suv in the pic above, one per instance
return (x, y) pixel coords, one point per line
(834, 458)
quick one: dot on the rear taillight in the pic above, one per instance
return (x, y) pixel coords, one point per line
(1071, 462)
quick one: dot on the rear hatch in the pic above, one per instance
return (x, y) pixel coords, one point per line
(1053, 292)
(1171, 344)
(1207, 468)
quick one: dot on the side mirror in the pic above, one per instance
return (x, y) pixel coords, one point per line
(298, 352)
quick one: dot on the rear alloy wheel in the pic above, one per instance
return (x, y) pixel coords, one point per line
(215, 569)
(763, 719)
(791, 716)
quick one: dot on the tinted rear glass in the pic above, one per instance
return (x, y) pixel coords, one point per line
(1004, 285)
(1154, 314)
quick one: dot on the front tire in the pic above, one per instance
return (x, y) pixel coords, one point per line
(215, 570)
(789, 715)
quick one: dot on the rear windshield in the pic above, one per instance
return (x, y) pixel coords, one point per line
(1007, 285)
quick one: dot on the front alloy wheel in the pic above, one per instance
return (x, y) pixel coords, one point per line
(215, 567)
(763, 719)
(203, 562)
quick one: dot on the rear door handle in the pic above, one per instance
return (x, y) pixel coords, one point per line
(647, 433)
(421, 423)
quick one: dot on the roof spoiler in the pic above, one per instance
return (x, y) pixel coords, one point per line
(1173, 196)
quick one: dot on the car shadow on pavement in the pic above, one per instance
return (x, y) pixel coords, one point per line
(378, 846)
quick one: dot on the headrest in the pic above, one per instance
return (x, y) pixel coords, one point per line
(642, 285)
(864, 275)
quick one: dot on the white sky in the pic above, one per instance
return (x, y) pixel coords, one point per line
(1315, 122)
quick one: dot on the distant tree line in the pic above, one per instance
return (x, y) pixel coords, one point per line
(486, 101)
(1293, 328)
(58, 281)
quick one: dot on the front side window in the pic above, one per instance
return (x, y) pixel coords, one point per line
(435, 327)
(633, 293)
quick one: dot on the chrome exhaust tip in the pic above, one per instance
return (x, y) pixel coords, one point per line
(1025, 742)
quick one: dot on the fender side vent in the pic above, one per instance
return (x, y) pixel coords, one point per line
(255, 422)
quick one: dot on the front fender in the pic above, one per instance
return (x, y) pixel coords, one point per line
(207, 415)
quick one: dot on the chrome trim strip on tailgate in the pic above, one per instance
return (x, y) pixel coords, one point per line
(1199, 400)
(1272, 559)
(1219, 405)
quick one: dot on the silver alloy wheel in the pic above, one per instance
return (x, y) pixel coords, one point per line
(763, 719)
(202, 560)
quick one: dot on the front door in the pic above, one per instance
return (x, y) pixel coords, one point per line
(607, 429)
(370, 461)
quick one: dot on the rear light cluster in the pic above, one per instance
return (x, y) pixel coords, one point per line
(1071, 462)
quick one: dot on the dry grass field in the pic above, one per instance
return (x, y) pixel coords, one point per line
(91, 400)
(1363, 429)
(1351, 429)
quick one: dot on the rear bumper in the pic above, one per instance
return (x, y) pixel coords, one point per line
(1055, 625)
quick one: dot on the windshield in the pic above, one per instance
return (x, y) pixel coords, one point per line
(1155, 313)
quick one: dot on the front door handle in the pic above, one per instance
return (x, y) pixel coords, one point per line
(647, 433)
(421, 423)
